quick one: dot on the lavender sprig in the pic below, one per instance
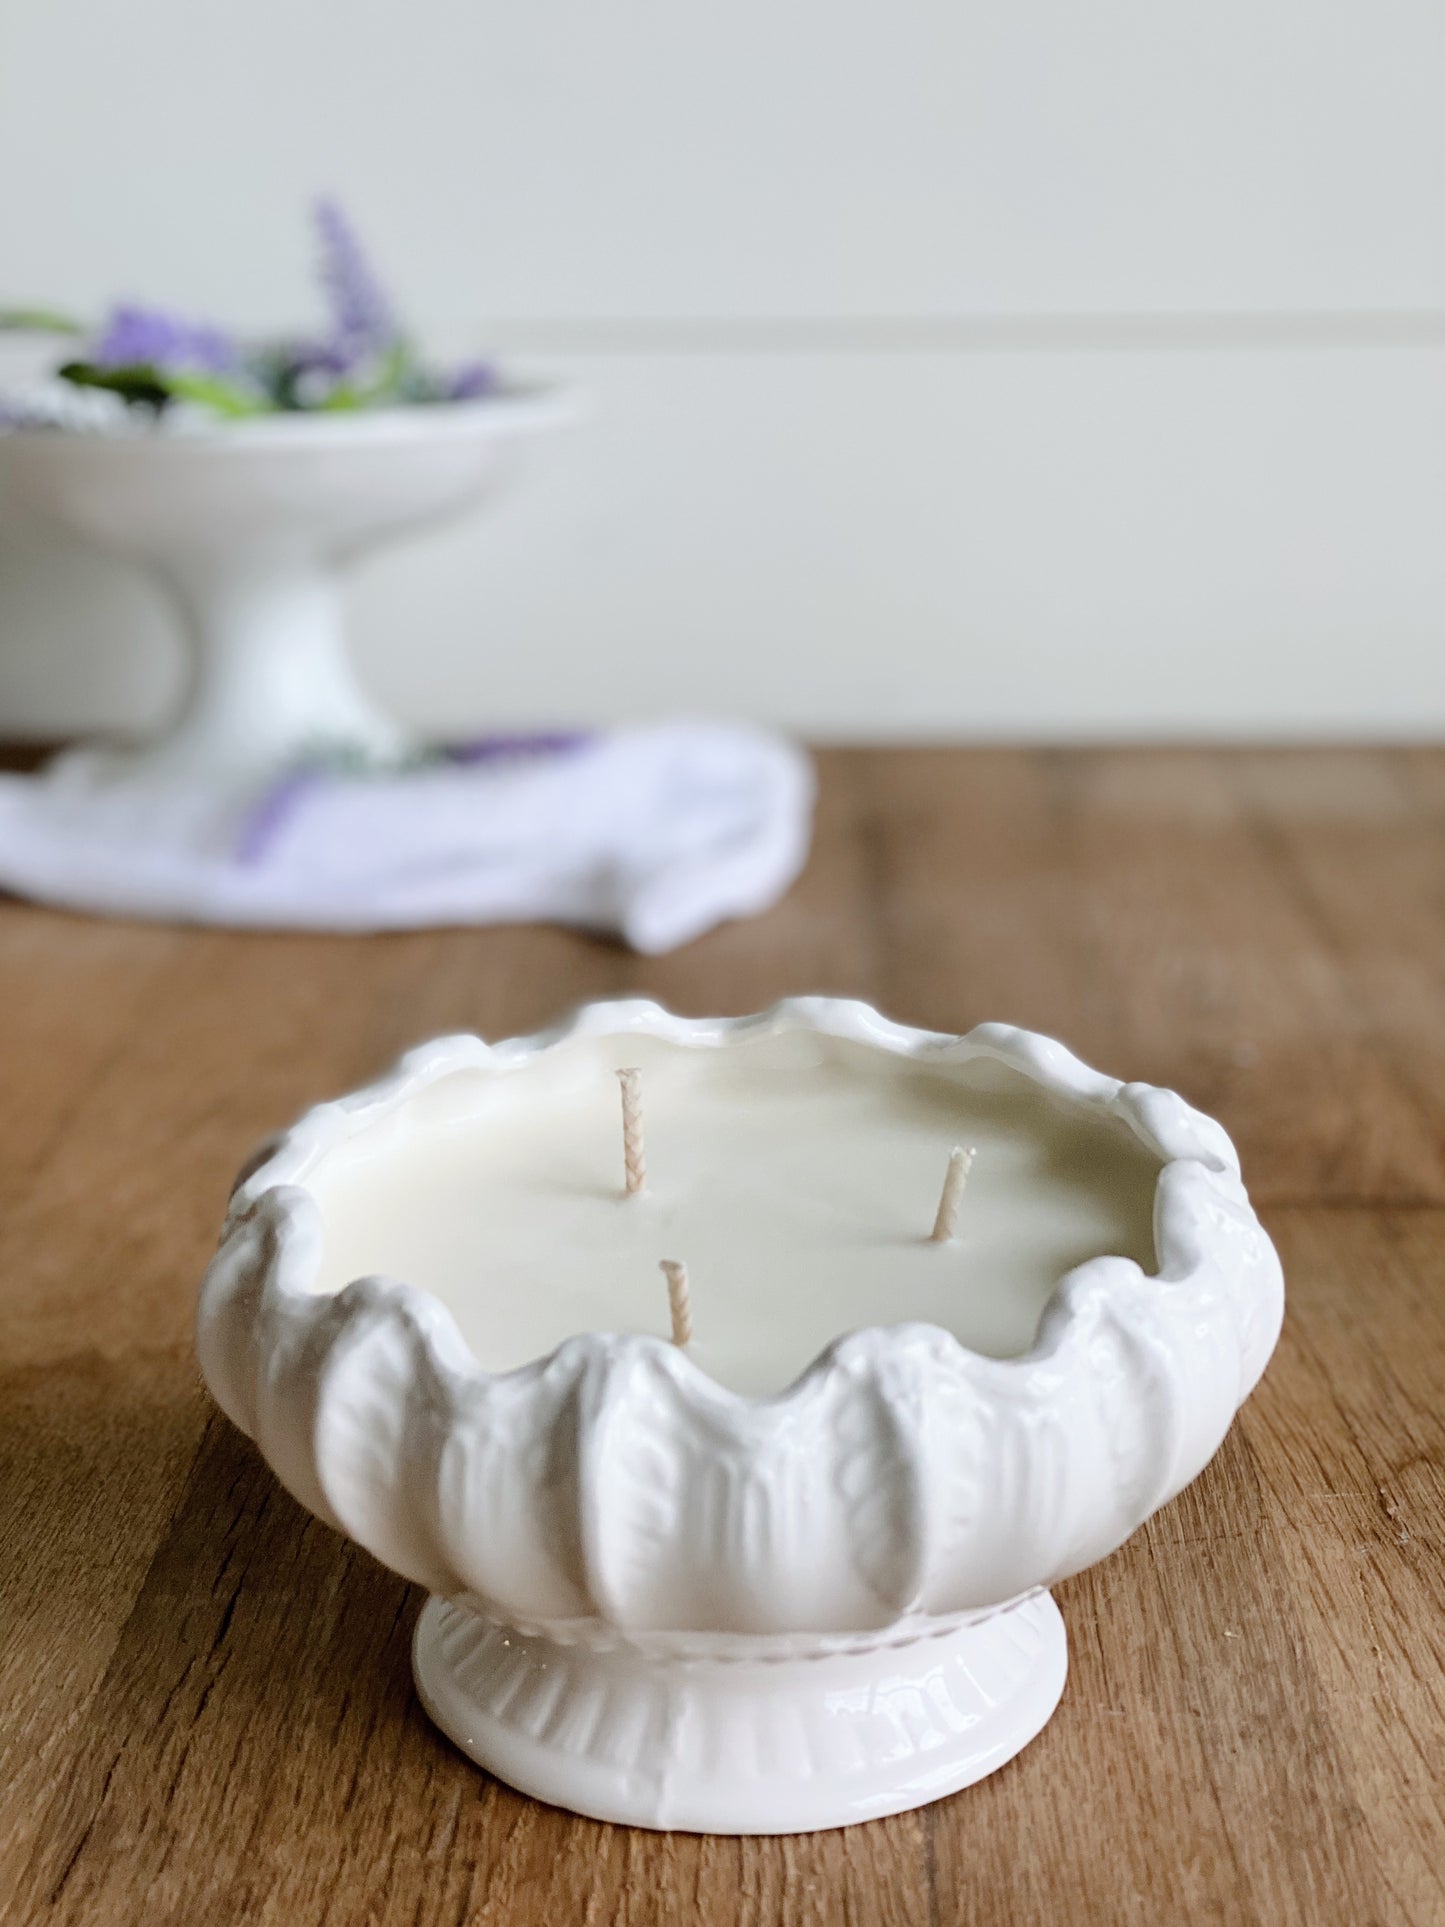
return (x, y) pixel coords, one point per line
(148, 359)
(135, 337)
(363, 322)
(472, 381)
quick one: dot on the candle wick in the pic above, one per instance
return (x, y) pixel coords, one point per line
(634, 1154)
(677, 1300)
(960, 1163)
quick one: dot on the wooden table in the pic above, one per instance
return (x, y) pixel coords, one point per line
(206, 1712)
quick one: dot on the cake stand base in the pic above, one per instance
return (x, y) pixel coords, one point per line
(714, 1742)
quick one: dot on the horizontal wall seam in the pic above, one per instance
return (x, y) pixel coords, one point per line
(1008, 334)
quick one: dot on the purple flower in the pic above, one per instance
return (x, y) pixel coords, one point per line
(362, 320)
(149, 337)
(471, 381)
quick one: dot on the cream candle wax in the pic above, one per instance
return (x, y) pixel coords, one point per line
(796, 1175)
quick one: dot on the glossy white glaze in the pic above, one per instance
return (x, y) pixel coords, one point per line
(613, 1490)
(742, 1743)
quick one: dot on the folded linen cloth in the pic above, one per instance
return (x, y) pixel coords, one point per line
(653, 835)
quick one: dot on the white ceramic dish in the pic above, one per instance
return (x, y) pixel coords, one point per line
(661, 1602)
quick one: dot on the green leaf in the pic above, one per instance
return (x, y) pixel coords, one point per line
(141, 383)
(343, 399)
(38, 321)
(391, 375)
(224, 398)
(387, 383)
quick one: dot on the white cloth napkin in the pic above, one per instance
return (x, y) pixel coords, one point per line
(653, 835)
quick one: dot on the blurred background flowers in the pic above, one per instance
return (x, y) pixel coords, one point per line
(156, 364)
(955, 371)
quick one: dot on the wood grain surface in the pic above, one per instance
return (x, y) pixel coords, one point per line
(206, 1712)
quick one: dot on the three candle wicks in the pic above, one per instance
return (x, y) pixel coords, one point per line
(634, 1169)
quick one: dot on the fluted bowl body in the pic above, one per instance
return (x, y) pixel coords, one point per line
(613, 1488)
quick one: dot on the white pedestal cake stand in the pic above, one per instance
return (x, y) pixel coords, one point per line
(248, 526)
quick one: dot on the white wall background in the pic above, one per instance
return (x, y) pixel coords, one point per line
(969, 367)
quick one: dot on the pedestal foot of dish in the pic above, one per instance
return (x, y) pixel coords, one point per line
(741, 1736)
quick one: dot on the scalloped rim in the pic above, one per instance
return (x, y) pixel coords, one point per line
(1194, 1152)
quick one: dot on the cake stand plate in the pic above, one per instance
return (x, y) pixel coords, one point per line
(726, 1742)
